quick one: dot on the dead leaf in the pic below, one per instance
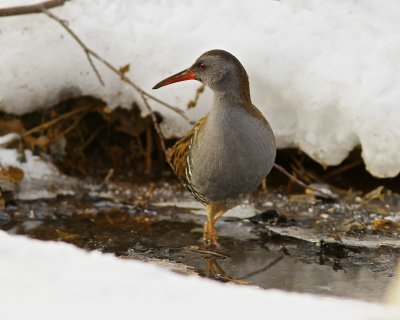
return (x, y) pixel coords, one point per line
(64, 235)
(41, 142)
(385, 225)
(124, 69)
(374, 194)
(321, 191)
(353, 226)
(379, 210)
(303, 198)
(10, 177)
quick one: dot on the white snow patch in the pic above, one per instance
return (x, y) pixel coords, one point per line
(325, 73)
(41, 178)
(8, 138)
(59, 281)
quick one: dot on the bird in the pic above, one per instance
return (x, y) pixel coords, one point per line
(231, 149)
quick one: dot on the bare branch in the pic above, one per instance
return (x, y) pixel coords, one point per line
(89, 57)
(143, 94)
(301, 183)
(87, 51)
(54, 121)
(156, 126)
(34, 8)
(290, 176)
(90, 53)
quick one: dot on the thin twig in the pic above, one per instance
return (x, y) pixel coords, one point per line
(33, 8)
(52, 122)
(343, 168)
(70, 128)
(89, 57)
(207, 252)
(87, 51)
(299, 182)
(149, 149)
(91, 53)
(290, 176)
(156, 126)
(89, 141)
(143, 94)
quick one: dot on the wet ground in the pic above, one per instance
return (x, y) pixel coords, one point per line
(346, 246)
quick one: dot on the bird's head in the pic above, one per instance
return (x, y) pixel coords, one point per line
(217, 69)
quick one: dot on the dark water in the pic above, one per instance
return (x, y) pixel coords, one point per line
(247, 255)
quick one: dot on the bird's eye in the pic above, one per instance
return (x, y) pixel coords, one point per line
(201, 65)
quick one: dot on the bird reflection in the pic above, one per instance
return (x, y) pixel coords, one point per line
(213, 269)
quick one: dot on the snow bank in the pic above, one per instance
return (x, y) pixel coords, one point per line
(325, 73)
(58, 281)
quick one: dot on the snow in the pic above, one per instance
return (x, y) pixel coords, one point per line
(8, 138)
(58, 280)
(41, 178)
(393, 292)
(325, 73)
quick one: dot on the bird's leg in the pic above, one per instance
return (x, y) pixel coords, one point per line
(210, 234)
(214, 212)
(206, 234)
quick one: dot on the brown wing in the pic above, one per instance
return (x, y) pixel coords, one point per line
(179, 157)
(178, 154)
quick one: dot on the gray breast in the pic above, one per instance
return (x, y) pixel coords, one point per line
(232, 154)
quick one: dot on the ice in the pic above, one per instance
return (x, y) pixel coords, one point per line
(325, 73)
(58, 280)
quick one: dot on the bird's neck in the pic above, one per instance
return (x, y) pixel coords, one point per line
(231, 100)
(234, 95)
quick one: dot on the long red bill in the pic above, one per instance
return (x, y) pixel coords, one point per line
(181, 76)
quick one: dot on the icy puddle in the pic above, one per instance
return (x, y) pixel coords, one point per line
(275, 243)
